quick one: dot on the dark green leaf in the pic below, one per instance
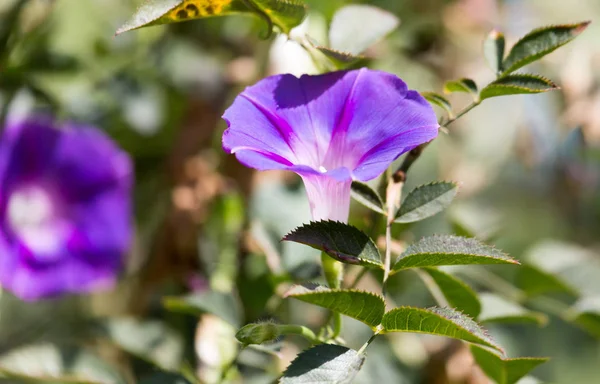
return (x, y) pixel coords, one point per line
(540, 42)
(438, 100)
(457, 292)
(363, 306)
(257, 333)
(220, 304)
(586, 314)
(375, 24)
(426, 201)
(437, 321)
(286, 14)
(462, 85)
(493, 49)
(164, 378)
(342, 242)
(450, 250)
(504, 370)
(368, 197)
(324, 364)
(517, 84)
(535, 281)
(495, 309)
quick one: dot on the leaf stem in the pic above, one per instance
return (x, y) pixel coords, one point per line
(433, 288)
(462, 113)
(359, 277)
(365, 345)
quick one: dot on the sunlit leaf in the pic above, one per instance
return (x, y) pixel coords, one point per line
(450, 250)
(342, 242)
(462, 85)
(219, 304)
(493, 49)
(286, 14)
(363, 306)
(375, 23)
(459, 295)
(437, 321)
(504, 370)
(324, 364)
(496, 309)
(540, 42)
(426, 201)
(365, 195)
(517, 84)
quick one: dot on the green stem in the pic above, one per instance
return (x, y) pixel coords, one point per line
(291, 329)
(334, 273)
(433, 288)
(365, 345)
(461, 113)
(359, 277)
(230, 365)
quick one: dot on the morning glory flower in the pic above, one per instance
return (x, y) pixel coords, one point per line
(65, 206)
(330, 129)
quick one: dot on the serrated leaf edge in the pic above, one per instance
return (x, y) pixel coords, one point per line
(457, 186)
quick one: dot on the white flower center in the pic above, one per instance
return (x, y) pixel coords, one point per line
(33, 218)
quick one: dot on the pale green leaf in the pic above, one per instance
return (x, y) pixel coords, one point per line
(461, 85)
(586, 314)
(437, 321)
(324, 364)
(458, 294)
(449, 250)
(540, 42)
(517, 84)
(342, 242)
(363, 306)
(439, 101)
(222, 305)
(535, 281)
(504, 370)
(375, 23)
(365, 195)
(493, 49)
(496, 309)
(426, 201)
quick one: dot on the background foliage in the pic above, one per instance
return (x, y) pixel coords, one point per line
(207, 258)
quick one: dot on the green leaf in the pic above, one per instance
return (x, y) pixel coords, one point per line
(439, 101)
(426, 201)
(459, 295)
(151, 341)
(368, 197)
(286, 14)
(257, 333)
(375, 24)
(164, 378)
(219, 304)
(496, 309)
(437, 321)
(342, 242)
(586, 314)
(324, 364)
(517, 84)
(540, 42)
(493, 49)
(535, 281)
(462, 85)
(339, 59)
(439, 250)
(504, 370)
(363, 306)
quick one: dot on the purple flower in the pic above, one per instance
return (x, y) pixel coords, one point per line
(330, 129)
(65, 206)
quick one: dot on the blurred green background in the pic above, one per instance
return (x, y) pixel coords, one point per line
(529, 168)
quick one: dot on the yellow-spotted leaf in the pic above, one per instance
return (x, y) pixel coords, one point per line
(285, 14)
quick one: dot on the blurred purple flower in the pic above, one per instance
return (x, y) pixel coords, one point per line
(330, 129)
(65, 206)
